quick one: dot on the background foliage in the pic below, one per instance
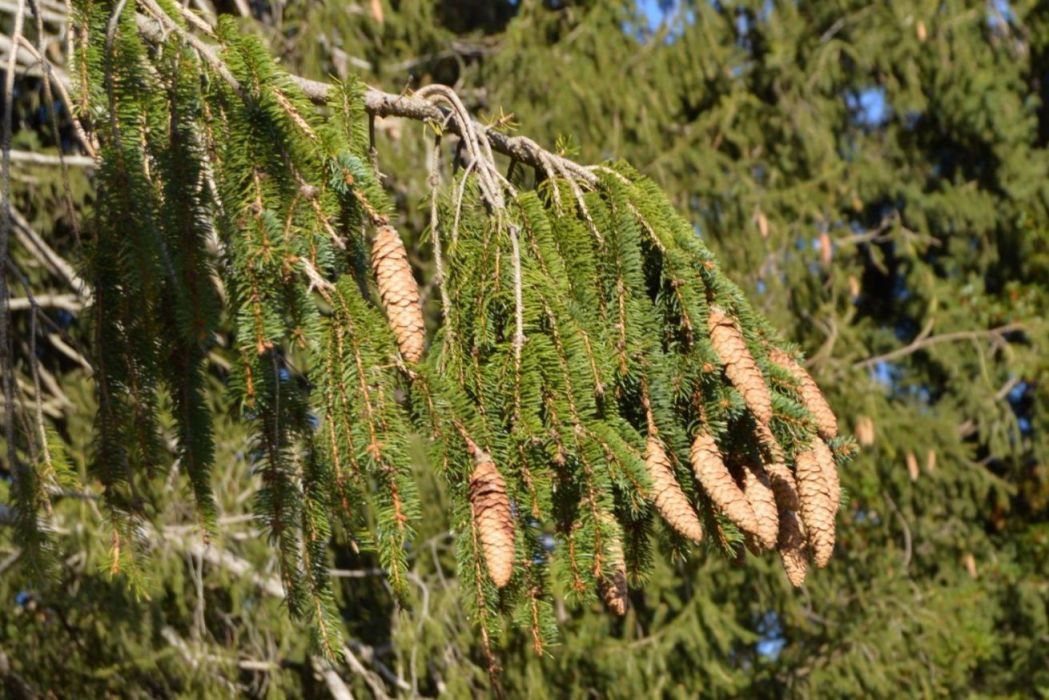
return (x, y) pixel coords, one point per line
(874, 175)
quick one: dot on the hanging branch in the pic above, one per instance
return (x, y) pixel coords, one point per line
(591, 353)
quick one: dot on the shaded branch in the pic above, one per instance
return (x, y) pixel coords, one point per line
(271, 585)
(923, 341)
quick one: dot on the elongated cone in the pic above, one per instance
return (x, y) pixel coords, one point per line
(912, 466)
(492, 517)
(614, 587)
(669, 499)
(717, 481)
(739, 364)
(780, 476)
(791, 546)
(817, 506)
(811, 397)
(830, 470)
(762, 499)
(399, 292)
(865, 430)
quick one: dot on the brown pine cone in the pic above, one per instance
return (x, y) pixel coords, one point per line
(614, 588)
(912, 466)
(865, 430)
(669, 499)
(811, 397)
(817, 505)
(830, 470)
(758, 490)
(791, 545)
(399, 292)
(739, 364)
(717, 481)
(492, 518)
(780, 476)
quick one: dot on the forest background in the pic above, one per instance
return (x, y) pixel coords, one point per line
(874, 175)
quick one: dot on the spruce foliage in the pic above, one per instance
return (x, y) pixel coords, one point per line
(588, 338)
(871, 176)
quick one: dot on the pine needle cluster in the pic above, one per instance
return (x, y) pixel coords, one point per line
(595, 381)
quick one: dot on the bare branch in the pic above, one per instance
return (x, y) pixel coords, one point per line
(924, 340)
(38, 248)
(69, 302)
(48, 159)
(271, 585)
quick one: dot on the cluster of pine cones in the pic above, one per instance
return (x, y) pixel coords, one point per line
(775, 507)
(767, 504)
(792, 511)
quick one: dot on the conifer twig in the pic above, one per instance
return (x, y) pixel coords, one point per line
(519, 337)
(5, 230)
(206, 52)
(924, 341)
(435, 235)
(382, 104)
(59, 81)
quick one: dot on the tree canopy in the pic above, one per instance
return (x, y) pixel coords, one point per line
(238, 328)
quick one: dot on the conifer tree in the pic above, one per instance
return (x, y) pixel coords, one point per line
(842, 223)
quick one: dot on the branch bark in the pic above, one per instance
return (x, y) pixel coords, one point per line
(923, 341)
(48, 159)
(385, 104)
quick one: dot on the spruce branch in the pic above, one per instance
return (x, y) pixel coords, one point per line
(383, 104)
(588, 432)
(925, 340)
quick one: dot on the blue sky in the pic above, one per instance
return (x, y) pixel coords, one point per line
(869, 105)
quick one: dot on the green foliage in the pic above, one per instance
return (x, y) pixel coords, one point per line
(560, 378)
(889, 243)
